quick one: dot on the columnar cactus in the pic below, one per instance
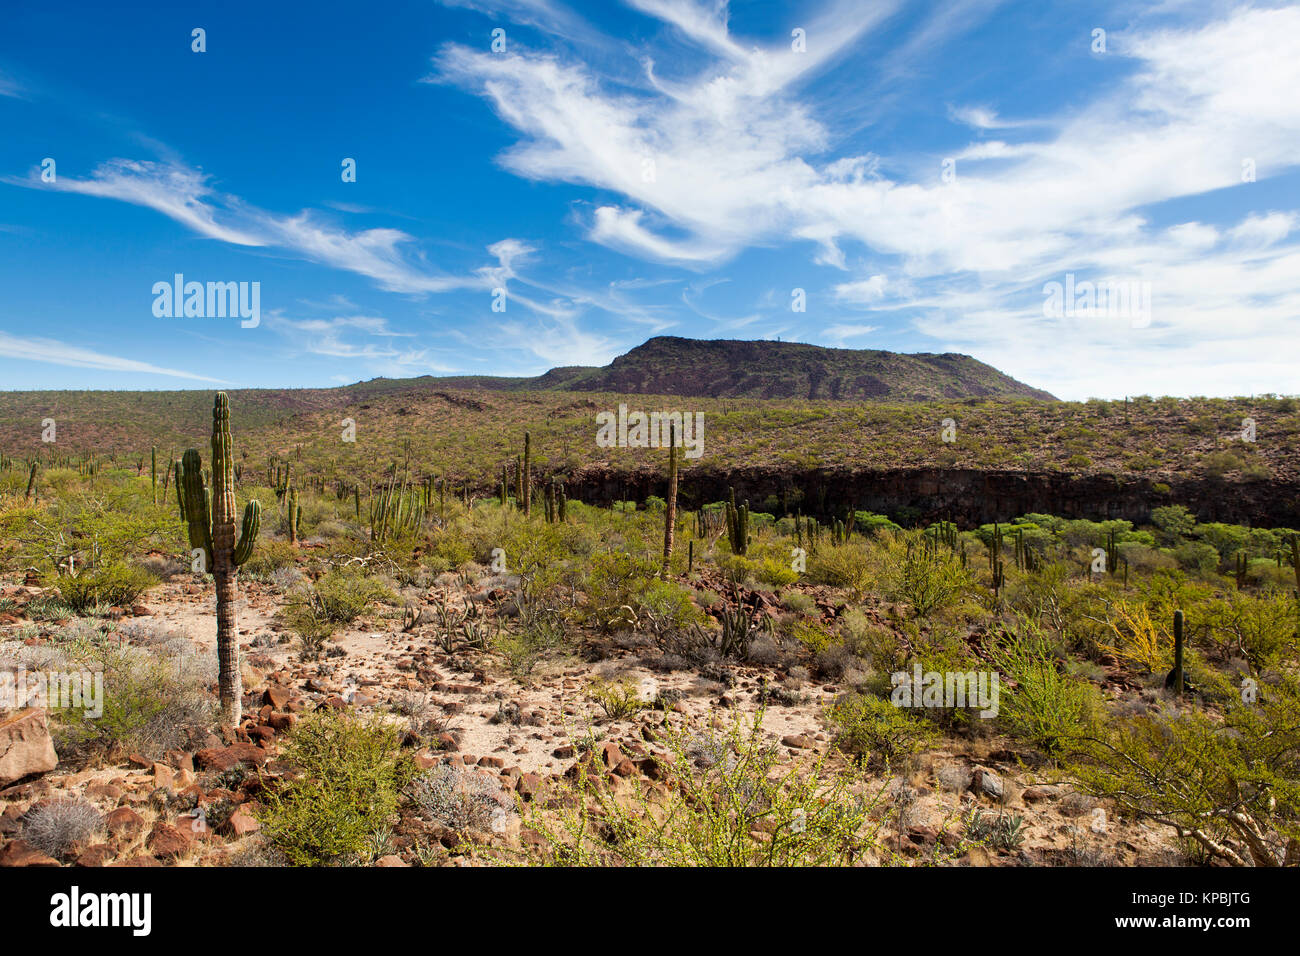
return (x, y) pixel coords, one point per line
(1295, 560)
(153, 472)
(670, 508)
(31, 484)
(294, 512)
(1177, 673)
(212, 529)
(527, 479)
(177, 467)
(737, 525)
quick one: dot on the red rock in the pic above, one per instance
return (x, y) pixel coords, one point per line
(496, 763)
(224, 758)
(529, 785)
(21, 853)
(169, 842)
(97, 855)
(25, 745)
(242, 823)
(277, 697)
(610, 753)
(124, 822)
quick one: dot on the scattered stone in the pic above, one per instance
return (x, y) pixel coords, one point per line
(1040, 792)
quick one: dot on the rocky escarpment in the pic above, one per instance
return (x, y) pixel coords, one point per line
(966, 496)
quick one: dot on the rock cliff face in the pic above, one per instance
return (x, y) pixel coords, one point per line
(968, 497)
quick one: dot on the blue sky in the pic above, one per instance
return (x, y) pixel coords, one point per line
(921, 171)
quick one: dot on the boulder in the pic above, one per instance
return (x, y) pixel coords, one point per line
(224, 758)
(169, 842)
(21, 853)
(987, 782)
(25, 745)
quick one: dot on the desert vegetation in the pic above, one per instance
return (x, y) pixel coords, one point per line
(410, 665)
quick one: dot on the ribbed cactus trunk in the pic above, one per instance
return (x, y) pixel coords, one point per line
(670, 508)
(1177, 675)
(223, 567)
(211, 524)
(527, 478)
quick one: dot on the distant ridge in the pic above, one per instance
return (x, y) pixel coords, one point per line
(731, 368)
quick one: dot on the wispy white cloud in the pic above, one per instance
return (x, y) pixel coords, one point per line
(364, 339)
(843, 332)
(50, 351)
(731, 157)
(11, 87)
(187, 196)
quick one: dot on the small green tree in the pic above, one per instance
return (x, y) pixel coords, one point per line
(1230, 785)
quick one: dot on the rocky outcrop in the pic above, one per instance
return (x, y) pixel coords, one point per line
(967, 496)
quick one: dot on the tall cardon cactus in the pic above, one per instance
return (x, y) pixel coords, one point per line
(211, 524)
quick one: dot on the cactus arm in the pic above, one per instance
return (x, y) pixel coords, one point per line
(195, 504)
(248, 533)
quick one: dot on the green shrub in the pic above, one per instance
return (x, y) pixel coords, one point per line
(1037, 702)
(842, 566)
(927, 578)
(116, 584)
(618, 699)
(1220, 463)
(345, 595)
(350, 775)
(799, 603)
(269, 556)
(1228, 785)
(875, 731)
(154, 700)
(732, 804)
